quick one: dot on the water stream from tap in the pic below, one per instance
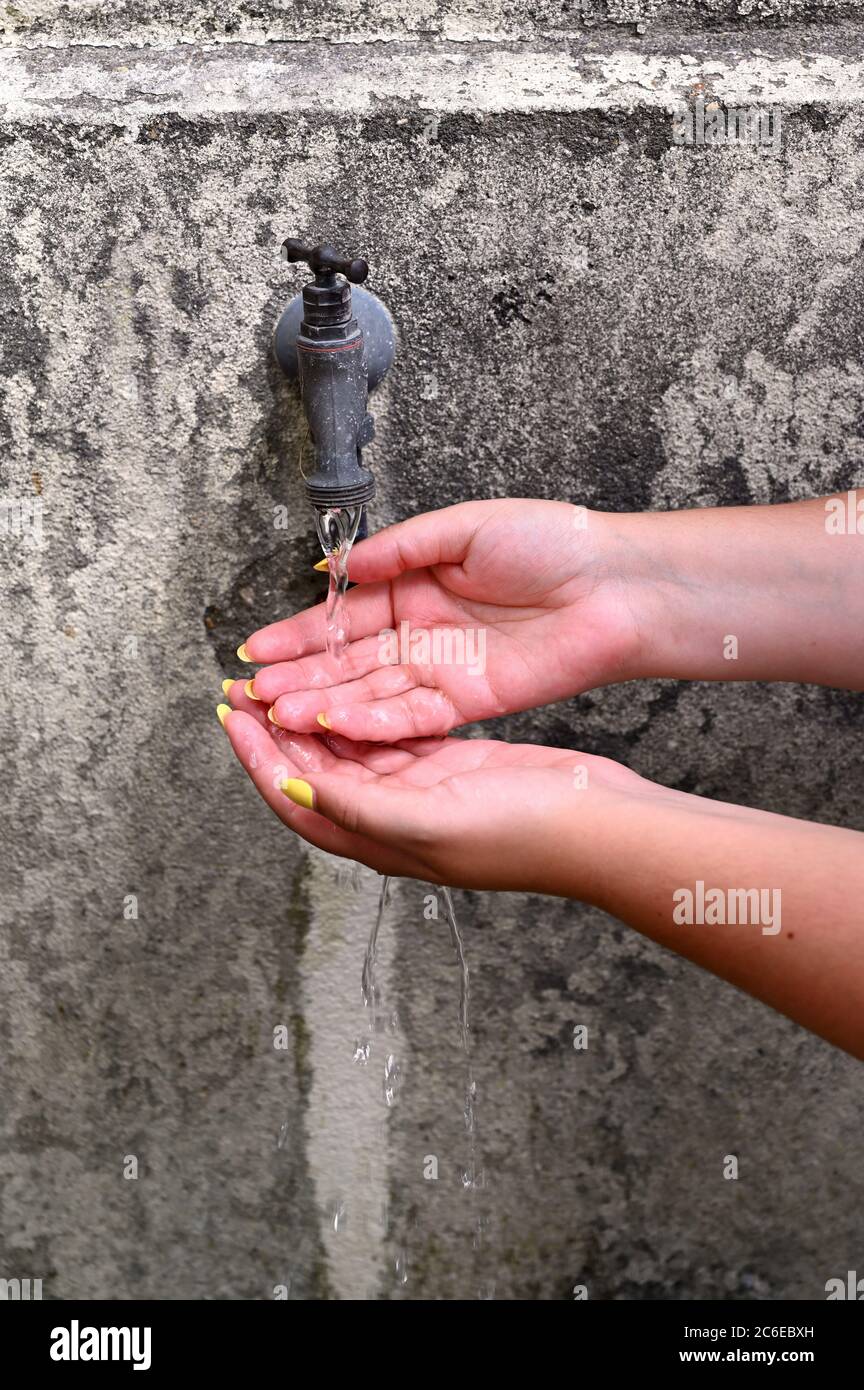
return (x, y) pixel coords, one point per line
(473, 1176)
(337, 529)
(384, 1028)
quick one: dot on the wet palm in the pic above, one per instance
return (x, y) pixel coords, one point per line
(469, 812)
(492, 606)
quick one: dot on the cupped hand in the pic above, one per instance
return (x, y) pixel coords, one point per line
(472, 813)
(493, 607)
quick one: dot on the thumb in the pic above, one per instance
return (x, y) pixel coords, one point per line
(375, 808)
(434, 538)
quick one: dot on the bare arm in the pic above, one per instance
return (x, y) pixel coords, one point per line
(745, 593)
(774, 905)
(562, 600)
(780, 909)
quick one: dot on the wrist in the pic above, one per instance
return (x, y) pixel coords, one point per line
(600, 837)
(638, 572)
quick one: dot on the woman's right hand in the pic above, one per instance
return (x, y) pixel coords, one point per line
(508, 604)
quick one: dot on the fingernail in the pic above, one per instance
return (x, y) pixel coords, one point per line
(273, 720)
(226, 687)
(244, 655)
(250, 692)
(322, 564)
(223, 711)
(299, 792)
(324, 721)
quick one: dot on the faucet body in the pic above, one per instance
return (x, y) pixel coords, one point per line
(320, 340)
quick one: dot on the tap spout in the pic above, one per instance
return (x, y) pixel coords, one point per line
(334, 385)
(322, 342)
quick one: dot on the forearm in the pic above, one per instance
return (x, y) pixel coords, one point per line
(682, 870)
(743, 593)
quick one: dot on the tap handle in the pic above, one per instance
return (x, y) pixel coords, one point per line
(325, 258)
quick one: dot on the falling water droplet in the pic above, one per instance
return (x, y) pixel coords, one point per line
(473, 1178)
(402, 1267)
(470, 1093)
(464, 979)
(361, 1052)
(336, 1215)
(368, 984)
(283, 1136)
(479, 1232)
(392, 1080)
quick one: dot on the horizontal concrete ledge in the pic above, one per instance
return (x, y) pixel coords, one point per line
(128, 23)
(125, 87)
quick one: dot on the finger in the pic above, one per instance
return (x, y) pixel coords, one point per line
(367, 610)
(318, 672)
(301, 710)
(377, 757)
(266, 763)
(417, 747)
(434, 538)
(268, 768)
(235, 692)
(418, 713)
(367, 806)
(305, 751)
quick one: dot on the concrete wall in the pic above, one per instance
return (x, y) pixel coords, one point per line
(586, 311)
(165, 22)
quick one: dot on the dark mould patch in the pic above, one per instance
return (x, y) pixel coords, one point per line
(270, 587)
(182, 342)
(587, 134)
(393, 127)
(724, 479)
(815, 117)
(261, 201)
(509, 304)
(101, 264)
(623, 461)
(187, 291)
(551, 980)
(617, 745)
(455, 129)
(844, 707)
(58, 137)
(169, 128)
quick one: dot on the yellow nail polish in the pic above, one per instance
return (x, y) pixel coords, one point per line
(250, 692)
(244, 655)
(273, 720)
(223, 711)
(324, 721)
(226, 687)
(322, 564)
(299, 792)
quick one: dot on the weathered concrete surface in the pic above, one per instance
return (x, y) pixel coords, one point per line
(585, 311)
(164, 22)
(410, 85)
